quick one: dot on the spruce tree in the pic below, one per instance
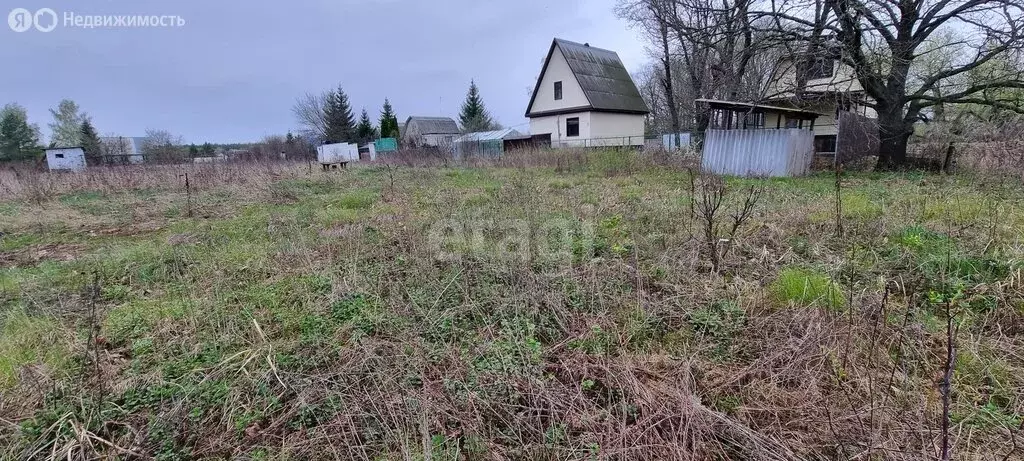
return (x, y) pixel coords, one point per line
(331, 135)
(365, 131)
(474, 116)
(341, 126)
(388, 121)
(90, 142)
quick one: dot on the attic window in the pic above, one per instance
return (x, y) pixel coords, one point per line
(572, 126)
(814, 68)
(58, 155)
(558, 91)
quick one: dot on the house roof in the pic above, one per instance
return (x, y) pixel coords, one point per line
(751, 107)
(489, 135)
(134, 143)
(434, 125)
(605, 81)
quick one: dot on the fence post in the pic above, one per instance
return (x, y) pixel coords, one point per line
(188, 197)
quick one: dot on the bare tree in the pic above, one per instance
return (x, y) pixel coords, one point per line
(666, 78)
(647, 80)
(115, 150)
(656, 82)
(884, 41)
(309, 110)
(273, 147)
(161, 146)
(719, 52)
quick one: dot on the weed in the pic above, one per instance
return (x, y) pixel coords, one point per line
(720, 323)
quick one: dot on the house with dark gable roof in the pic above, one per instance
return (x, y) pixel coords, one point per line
(430, 132)
(585, 97)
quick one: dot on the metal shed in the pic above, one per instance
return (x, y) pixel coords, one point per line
(484, 143)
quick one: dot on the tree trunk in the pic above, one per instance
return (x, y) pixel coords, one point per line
(703, 121)
(947, 163)
(893, 134)
(670, 96)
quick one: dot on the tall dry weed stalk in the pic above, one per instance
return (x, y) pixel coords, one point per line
(839, 200)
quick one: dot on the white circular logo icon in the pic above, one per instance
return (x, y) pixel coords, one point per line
(20, 19)
(41, 24)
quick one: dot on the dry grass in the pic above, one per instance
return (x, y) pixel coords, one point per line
(311, 315)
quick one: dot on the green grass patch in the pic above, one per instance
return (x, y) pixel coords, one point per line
(805, 287)
(30, 339)
(357, 200)
(11, 242)
(138, 319)
(9, 209)
(469, 179)
(93, 203)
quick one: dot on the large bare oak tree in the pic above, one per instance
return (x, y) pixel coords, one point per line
(913, 58)
(887, 43)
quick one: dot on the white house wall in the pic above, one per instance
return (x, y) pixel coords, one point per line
(72, 159)
(596, 129)
(843, 79)
(572, 93)
(611, 129)
(555, 124)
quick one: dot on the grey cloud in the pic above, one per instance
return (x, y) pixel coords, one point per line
(232, 72)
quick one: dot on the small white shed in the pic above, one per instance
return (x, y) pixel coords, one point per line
(337, 153)
(65, 158)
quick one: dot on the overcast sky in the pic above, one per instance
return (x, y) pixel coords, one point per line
(233, 71)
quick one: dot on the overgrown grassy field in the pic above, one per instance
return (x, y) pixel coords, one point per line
(502, 312)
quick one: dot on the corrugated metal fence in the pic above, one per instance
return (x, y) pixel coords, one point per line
(783, 152)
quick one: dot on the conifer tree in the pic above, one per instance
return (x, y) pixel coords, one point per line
(341, 126)
(388, 121)
(90, 142)
(474, 116)
(365, 131)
